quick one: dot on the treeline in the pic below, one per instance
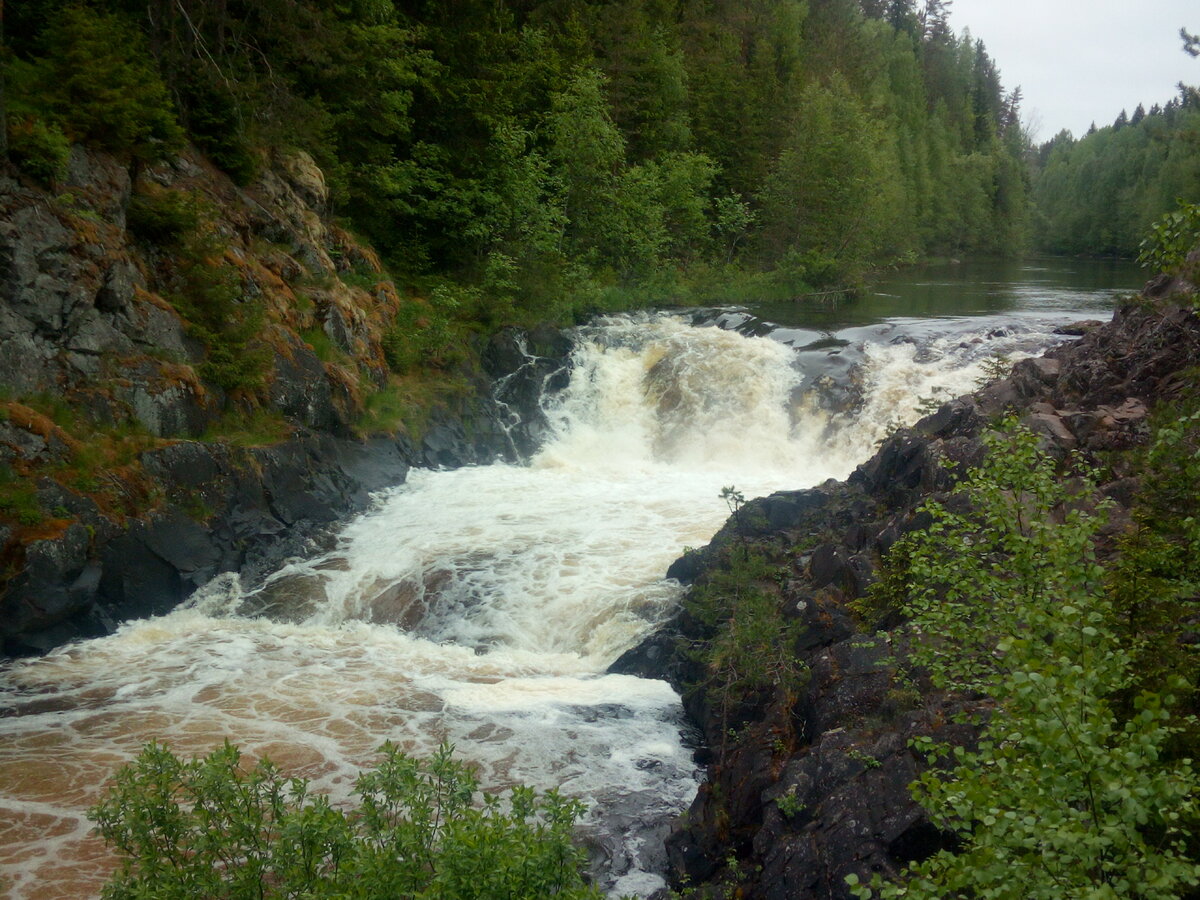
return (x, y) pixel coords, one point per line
(1100, 194)
(538, 149)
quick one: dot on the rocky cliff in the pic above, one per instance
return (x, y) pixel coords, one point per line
(190, 373)
(807, 782)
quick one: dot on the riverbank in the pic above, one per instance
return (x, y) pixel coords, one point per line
(807, 776)
(198, 377)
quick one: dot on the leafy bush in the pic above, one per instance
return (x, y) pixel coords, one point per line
(220, 315)
(18, 497)
(1157, 575)
(429, 334)
(39, 148)
(1170, 241)
(215, 122)
(1063, 796)
(162, 217)
(212, 828)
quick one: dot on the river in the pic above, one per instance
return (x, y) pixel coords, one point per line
(483, 606)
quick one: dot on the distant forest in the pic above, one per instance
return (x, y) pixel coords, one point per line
(1100, 194)
(536, 150)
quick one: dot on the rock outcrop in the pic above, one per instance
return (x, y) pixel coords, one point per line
(125, 477)
(807, 787)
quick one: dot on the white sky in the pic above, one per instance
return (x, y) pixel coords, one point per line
(1079, 61)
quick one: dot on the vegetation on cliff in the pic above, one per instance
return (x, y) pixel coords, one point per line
(997, 639)
(1078, 784)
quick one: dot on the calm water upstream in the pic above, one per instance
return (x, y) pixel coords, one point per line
(482, 606)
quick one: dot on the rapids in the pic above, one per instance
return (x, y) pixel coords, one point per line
(482, 606)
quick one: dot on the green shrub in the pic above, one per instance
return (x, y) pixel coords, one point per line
(162, 217)
(1063, 796)
(39, 148)
(429, 334)
(220, 315)
(18, 497)
(249, 428)
(751, 647)
(215, 123)
(1171, 239)
(324, 347)
(212, 828)
(1157, 574)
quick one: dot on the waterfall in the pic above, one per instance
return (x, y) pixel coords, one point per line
(481, 606)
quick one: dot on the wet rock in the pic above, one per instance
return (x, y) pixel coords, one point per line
(444, 443)
(1078, 329)
(168, 401)
(298, 488)
(224, 509)
(649, 659)
(1132, 411)
(959, 416)
(300, 390)
(828, 565)
(119, 288)
(185, 545)
(526, 369)
(998, 398)
(305, 178)
(686, 568)
(1030, 377)
(789, 509)
(1052, 429)
(136, 582)
(290, 202)
(859, 575)
(824, 618)
(100, 182)
(57, 581)
(21, 443)
(904, 464)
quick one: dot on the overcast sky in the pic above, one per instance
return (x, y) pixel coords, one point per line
(1079, 61)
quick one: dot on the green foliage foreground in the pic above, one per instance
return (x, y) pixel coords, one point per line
(1171, 240)
(1073, 791)
(210, 828)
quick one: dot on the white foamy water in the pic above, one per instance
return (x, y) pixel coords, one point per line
(480, 606)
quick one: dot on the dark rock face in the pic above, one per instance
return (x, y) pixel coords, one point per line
(526, 368)
(223, 509)
(87, 324)
(811, 788)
